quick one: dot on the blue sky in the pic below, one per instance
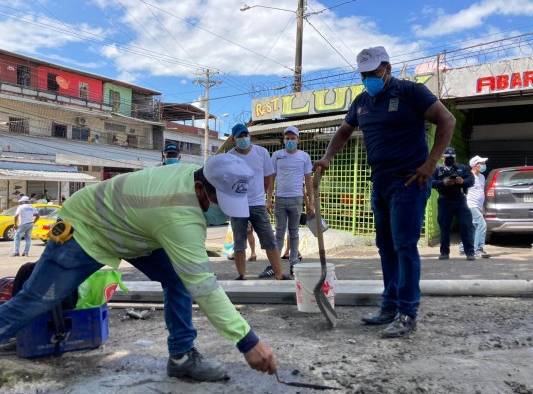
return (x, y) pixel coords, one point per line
(161, 44)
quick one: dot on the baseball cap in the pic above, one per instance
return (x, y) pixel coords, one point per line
(476, 160)
(449, 152)
(292, 129)
(238, 129)
(24, 199)
(370, 58)
(230, 176)
(171, 148)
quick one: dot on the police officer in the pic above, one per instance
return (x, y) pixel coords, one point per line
(452, 181)
(171, 154)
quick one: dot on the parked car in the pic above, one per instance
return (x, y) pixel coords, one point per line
(509, 200)
(47, 213)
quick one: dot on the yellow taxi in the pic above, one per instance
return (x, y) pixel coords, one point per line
(48, 216)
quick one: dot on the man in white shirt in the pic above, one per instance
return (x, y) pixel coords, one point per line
(259, 161)
(475, 199)
(25, 217)
(291, 168)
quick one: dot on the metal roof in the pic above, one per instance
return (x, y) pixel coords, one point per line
(56, 176)
(15, 165)
(176, 111)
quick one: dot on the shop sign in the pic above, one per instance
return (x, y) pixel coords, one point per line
(309, 103)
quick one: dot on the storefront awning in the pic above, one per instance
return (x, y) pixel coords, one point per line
(50, 176)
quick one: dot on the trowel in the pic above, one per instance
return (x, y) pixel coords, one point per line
(321, 299)
(305, 385)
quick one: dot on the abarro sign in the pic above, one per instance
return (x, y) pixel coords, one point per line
(308, 103)
(503, 76)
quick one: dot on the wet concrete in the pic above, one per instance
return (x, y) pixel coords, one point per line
(463, 345)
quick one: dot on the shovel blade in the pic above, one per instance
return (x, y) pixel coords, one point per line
(326, 308)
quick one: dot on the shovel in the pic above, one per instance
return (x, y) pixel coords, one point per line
(321, 299)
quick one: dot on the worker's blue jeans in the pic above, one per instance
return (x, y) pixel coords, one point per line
(62, 268)
(448, 209)
(398, 215)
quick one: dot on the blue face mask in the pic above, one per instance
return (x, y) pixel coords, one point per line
(291, 144)
(373, 85)
(214, 215)
(482, 168)
(172, 160)
(243, 143)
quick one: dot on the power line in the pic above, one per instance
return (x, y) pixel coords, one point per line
(329, 43)
(332, 7)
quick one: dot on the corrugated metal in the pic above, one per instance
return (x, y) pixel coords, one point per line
(46, 176)
(11, 165)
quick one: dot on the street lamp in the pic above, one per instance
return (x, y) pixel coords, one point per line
(300, 14)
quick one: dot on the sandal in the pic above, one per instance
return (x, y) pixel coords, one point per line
(252, 258)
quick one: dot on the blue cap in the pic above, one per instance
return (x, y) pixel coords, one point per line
(238, 129)
(449, 152)
(171, 148)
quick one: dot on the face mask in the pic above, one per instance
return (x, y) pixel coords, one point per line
(291, 144)
(243, 143)
(482, 168)
(172, 160)
(449, 161)
(214, 215)
(373, 85)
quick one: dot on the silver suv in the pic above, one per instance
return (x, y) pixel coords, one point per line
(509, 200)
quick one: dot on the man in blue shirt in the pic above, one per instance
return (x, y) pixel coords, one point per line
(391, 114)
(452, 181)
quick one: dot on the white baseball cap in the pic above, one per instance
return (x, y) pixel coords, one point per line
(369, 59)
(230, 176)
(24, 199)
(476, 160)
(292, 129)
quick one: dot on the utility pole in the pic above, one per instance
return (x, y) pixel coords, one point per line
(299, 43)
(207, 82)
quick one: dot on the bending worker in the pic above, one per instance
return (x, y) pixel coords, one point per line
(156, 220)
(391, 113)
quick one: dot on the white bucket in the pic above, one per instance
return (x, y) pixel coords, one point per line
(306, 276)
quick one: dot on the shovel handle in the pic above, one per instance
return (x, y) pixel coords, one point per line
(319, 235)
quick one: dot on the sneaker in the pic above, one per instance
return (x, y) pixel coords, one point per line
(267, 273)
(444, 257)
(15, 254)
(471, 257)
(192, 365)
(240, 277)
(379, 318)
(402, 326)
(480, 253)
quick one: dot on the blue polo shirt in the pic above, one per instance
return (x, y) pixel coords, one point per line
(393, 126)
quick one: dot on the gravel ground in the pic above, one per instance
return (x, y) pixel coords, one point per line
(463, 345)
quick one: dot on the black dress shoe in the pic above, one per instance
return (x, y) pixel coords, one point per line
(382, 317)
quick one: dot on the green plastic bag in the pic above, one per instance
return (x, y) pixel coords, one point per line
(99, 288)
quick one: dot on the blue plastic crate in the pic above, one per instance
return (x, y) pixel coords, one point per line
(86, 328)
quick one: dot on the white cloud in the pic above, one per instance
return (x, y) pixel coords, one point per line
(473, 16)
(256, 29)
(29, 33)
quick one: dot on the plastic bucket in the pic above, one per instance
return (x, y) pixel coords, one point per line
(306, 276)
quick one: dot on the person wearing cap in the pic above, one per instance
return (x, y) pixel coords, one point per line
(171, 154)
(391, 113)
(452, 181)
(156, 220)
(292, 167)
(258, 159)
(25, 217)
(475, 199)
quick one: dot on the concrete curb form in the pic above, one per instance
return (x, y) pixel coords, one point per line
(348, 292)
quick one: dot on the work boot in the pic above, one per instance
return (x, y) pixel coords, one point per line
(192, 365)
(267, 273)
(444, 257)
(471, 257)
(402, 326)
(379, 318)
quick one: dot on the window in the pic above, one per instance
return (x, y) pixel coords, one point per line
(114, 100)
(80, 133)
(59, 130)
(132, 140)
(84, 90)
(19, 125)
(108, 126)
(23, 75)
(52, 82)
(190, 148)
